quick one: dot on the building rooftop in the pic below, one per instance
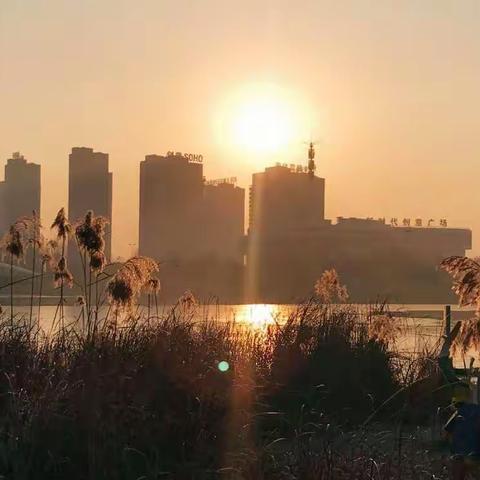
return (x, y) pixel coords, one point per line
(287, 168)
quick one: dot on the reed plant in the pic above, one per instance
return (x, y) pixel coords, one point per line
(187, 394)
(145, 397)
(90, 238)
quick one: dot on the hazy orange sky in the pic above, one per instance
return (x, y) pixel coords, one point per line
(392, 88)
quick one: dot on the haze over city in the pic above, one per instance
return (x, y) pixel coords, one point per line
(389, 89)
(239, 239)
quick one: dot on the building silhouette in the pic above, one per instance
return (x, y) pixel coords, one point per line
(284, 201)
(286, 198)
(194, 229)
(171, 190)
(290, 244)
(224, 213)
(20, 191)
(90, 188)
(224, 241)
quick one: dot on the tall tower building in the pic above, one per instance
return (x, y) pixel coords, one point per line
(287, 204)
(195, 228)
(90, 188)
(20, 191)
(171, 191)
(224, 205)
(284, 198)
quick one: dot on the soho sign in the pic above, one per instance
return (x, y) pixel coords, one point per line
(191, 157)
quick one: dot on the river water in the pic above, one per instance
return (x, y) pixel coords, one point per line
(419, 325)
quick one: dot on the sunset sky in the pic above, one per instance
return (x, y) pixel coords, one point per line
(390, 89)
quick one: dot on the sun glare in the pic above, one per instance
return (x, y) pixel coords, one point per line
(262, 119)
(258, 316)
(261, 124)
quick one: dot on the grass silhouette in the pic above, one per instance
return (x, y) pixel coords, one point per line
(136, 394)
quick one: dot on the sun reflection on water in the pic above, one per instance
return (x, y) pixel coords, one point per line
(259, 316)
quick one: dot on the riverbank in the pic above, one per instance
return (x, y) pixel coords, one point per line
(169, 397)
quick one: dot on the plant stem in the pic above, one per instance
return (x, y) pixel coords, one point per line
(62, 320)
(40, 292)
(11, 289)
(97, 306)
(89, 293)
(33, 264)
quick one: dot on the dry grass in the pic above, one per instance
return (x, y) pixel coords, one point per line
(136, 395)
(144, 398)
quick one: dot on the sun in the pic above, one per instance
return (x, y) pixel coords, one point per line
(262, 124)
(261, 118)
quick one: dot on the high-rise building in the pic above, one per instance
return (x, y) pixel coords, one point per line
(20, 191)
(285, 201)
(171, 192)
(221, 274)
(290, 245)
(90, 188)
(224, 205)
(286, 198)
(195, 228)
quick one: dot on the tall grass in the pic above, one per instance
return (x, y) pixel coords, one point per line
(136, 395)
(144, 398)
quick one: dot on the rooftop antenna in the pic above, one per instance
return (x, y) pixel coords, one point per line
(311, 167)
(311, 160)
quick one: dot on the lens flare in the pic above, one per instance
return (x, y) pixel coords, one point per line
(223, 366)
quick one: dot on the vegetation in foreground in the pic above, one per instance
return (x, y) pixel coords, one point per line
(147, 399)
(138, 395)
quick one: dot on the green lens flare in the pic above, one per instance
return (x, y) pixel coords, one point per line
(223, 366)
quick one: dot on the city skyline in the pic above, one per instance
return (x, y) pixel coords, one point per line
(389, 90)
(195, 229)
(218, 210)
(104, 209)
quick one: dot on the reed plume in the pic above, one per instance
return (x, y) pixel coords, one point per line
(62, 225)
(188, 300)
(153, 285)
(91, 233)
(328, 287)
(466, 284)
(466, 279)
(18, 238)
(468, 336)
(48, 252)
(90, 236)
(62, 275)
(15, 244)
(97, 262)
(126, 285)
(384, 328)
